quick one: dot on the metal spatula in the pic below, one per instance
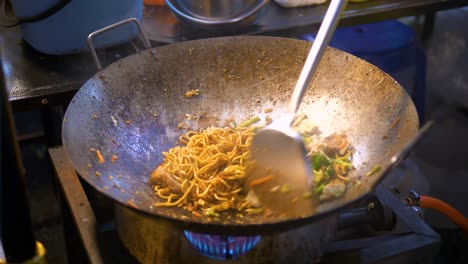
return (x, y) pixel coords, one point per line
(282, 172)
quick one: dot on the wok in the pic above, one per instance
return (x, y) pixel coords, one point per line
(134, 109)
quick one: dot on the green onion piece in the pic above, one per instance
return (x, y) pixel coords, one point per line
(284, 188)
(253, 129)
(319, 177)
(307, 140)
(319, 161)
(374, 170)
(307, 195)
(210, 212)
(347, 163)
(254, 210)
(250, 122)
(330, 172)
(318, 190)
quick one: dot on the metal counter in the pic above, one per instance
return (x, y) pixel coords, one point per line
(35, 81)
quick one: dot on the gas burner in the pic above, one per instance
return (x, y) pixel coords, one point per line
(221, 247)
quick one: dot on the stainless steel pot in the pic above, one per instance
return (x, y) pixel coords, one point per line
(217, 13)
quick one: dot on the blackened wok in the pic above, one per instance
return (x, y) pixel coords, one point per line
(136, 108)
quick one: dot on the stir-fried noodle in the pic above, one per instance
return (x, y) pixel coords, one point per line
(206, 172)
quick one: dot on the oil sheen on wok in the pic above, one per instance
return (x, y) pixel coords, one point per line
(207, 173)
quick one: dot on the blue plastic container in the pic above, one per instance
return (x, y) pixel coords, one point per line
(66, 31)
(393, 47)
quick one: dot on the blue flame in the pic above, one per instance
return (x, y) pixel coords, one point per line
(221, 247)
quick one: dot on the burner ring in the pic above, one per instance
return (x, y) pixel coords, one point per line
(221, 247)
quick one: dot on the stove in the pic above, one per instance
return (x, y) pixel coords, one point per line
(379, 229)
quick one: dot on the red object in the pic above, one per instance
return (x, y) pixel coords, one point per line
(445, 209)
(154, 2)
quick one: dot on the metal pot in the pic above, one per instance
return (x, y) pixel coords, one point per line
(217, 13)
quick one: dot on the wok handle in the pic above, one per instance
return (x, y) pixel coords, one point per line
(399, 157)
(143, 36)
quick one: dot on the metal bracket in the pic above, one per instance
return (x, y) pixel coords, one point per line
(419, 243)
(143, 36)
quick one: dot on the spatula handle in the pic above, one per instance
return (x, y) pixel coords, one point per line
(326, 30)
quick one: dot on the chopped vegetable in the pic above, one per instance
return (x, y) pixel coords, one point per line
(254, 210)
(307, 140)
(345, 162)
(284, 188)
(319, 161)
(191, 93)
(319, 177)
(374, 170)
(100, 157)
(261, 180)
(274, 189)
(114, 158)
(252, 198)
(210, 212)
(304, 126)
(307, 195)
(394, 123)
(114, 121)
(330, 172)
(197, 214)
(253, 129)
(318, 190)
(250, 122)
(333, 189)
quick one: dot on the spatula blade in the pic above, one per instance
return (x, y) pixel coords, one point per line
(279, 155)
